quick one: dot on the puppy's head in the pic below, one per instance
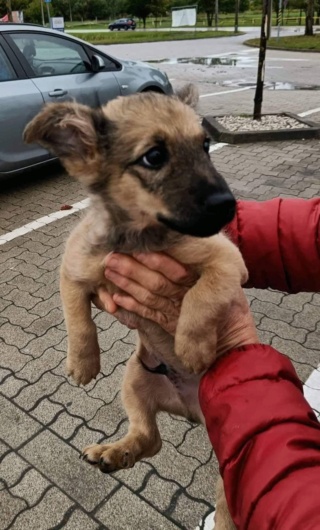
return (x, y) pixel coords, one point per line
(147, 154)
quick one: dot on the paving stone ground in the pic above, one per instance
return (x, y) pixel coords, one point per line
(45, 419)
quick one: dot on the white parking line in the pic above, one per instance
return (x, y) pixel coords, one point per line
(42, 221)
(226, 92)
(308, 112)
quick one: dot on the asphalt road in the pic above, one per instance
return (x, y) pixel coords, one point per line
(45, 419)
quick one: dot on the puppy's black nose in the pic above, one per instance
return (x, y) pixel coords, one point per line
(221, 205)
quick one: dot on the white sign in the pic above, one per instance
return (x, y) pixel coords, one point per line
(184, 16)
(57, 23)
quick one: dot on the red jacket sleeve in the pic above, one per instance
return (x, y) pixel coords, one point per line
(280, 243)
(266, 438)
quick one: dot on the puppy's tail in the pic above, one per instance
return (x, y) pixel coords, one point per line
(188, 94)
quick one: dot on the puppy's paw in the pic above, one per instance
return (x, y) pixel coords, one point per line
(196, 354)
(83, 370)
(109, 458)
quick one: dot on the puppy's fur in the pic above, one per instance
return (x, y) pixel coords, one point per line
(137, 207)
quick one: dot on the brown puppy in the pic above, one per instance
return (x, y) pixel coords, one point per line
(144, 161)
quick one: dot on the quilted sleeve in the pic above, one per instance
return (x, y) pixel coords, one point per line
(280, 243)
(266, 438)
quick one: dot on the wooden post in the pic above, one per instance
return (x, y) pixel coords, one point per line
(236, 17)
(9, 10)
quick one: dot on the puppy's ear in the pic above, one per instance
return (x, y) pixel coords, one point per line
(72, 132)
(188, 94)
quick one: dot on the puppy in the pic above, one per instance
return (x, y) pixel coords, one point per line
(144, 160)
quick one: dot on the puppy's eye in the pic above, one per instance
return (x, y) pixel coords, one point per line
(206, 145)
(155, 158)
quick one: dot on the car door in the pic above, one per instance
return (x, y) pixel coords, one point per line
(20, 101)
(60, 68)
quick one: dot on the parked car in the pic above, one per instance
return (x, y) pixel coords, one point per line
(123, 23)
(38, 65)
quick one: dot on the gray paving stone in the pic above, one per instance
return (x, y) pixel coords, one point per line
(61, 464)
(170, 464)
(16, 425)
(10, 507)
(11, 469)
(35, 367)
(189, 512)
(30, 395)
(282, 329)
(11, 386)
(45, 515)
(137, 513)
(15, 336)
(46, 411)
(31, 487)
(65, 425)
(80, 521)
(159, 492)
(77, 401)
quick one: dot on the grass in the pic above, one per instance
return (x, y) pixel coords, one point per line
(294, 43)
(150, 36)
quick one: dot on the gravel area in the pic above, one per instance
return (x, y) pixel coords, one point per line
(267, 123)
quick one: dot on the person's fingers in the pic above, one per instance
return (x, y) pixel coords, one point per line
(142, 295)
(169, 267)
(104, 301)
(168, 323)
(152, 280)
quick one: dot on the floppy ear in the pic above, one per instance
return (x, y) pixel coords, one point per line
(74, 133)
(188, 94)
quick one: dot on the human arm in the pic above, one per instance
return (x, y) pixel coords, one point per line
(279, 240)
(266, 438)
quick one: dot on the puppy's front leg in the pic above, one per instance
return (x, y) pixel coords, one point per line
(83, 358)
(205, 306)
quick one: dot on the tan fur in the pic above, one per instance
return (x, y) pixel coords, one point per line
(102, 148)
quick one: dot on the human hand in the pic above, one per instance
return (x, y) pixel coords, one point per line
(155, 285)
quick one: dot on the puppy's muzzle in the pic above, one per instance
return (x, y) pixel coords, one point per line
(215, 212)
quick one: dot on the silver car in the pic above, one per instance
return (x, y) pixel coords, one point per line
(38, 65)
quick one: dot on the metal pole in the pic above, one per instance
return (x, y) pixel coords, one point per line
(9, 10)
(70, 10)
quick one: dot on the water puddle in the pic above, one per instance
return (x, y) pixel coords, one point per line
(269, 85)
(231, 60)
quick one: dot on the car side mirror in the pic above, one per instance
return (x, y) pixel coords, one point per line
(97, 63)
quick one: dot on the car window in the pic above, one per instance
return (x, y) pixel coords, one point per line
(49, 55)
(6, 71)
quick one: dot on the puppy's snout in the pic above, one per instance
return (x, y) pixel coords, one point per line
(222, 205)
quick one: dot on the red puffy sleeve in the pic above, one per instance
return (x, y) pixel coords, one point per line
(280, 243)
(266, 438)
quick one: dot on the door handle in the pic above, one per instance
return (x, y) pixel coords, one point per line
(58, 92)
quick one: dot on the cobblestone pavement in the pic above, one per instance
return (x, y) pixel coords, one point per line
(46, 419)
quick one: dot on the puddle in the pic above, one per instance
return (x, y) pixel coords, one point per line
(277, 85)
(232, 60)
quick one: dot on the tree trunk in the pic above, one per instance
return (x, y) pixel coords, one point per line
(9, 10)
(261, 64)
(216, 14)
(236, 17)
(144, 20)
(209, 19)
(309, 18)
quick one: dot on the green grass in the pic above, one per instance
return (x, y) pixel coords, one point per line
(149, 36)
(294, 43)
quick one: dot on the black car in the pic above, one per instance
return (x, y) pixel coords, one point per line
(123, 23)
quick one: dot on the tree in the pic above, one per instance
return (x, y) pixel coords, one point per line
(158, 8)
(261, 63)
(309, 17)
(140, 9)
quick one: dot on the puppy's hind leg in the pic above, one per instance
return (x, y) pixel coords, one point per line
(223, 519)
(83, 358)
(139, 395)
